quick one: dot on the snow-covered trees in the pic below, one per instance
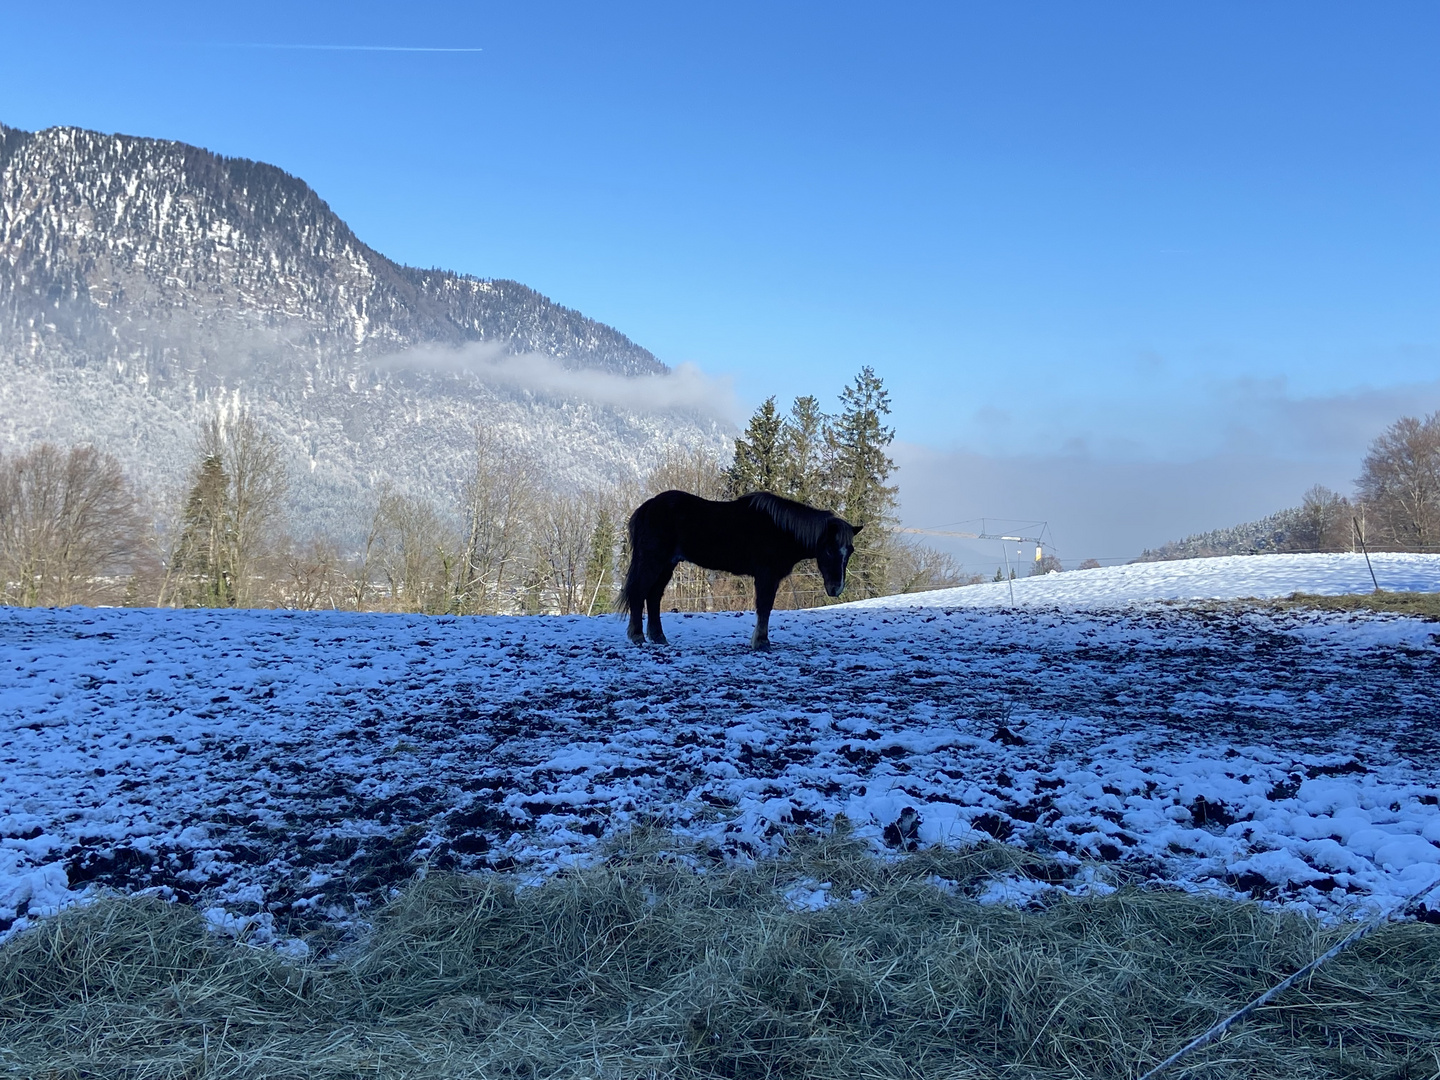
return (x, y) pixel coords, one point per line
(1322, 523)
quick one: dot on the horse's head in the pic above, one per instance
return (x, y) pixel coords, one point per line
(834, 552)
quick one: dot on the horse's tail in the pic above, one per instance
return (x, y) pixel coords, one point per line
(632, 595)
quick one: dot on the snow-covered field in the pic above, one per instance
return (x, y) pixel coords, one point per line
(1225, 578)
(281, 768)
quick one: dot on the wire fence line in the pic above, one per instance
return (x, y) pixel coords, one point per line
(1219, 1029)
(694, 589)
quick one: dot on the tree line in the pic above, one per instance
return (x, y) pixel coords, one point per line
(1396, 504)
(75, 530)
(841, 463)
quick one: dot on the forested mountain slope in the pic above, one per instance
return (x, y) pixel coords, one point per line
(145, 284)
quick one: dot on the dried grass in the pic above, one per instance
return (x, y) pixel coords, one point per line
(645, 967)
(1425, 605)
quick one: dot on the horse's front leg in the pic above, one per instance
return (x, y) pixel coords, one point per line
(652, 603)
(765, 587)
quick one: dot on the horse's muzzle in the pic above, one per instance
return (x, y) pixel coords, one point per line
(835, 590)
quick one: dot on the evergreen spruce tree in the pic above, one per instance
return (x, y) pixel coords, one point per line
(758, 454)
(599, 568)
(231, 510)
(202, 556)
(859, 439)
(805, 461)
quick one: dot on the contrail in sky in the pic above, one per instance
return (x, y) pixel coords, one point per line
(354, 48)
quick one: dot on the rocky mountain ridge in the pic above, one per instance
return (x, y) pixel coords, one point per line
(110, 245)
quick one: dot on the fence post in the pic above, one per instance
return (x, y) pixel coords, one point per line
(1365, 549)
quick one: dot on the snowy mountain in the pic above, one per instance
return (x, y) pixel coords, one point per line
(145, 284)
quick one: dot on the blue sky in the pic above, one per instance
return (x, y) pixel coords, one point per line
(1090, 240)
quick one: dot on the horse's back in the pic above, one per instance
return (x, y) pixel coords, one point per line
(730, 536)
(667, 513)
(677, 502)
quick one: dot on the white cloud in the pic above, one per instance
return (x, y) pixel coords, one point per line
(1244, 450)
(684, 389)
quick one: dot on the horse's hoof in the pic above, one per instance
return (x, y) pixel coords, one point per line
(659, 640)
(760, 646)
(636, 638)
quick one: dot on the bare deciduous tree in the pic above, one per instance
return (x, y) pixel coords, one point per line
(1400, 483)
(70, 527)
(257, 493)
(233, 508)
(562, 538)
(499, 504)
(916, 567)
(697, 471)
(1322, 524)
(313, 575)
(415, 552)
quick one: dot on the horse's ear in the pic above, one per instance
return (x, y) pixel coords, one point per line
(855, 529)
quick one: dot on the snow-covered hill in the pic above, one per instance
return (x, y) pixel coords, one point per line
(280, 768)
(1228, 577)
(146, 284)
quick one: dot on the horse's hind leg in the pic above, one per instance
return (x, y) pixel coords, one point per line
(637, 588)
(652, 604)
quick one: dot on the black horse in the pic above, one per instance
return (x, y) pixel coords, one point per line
(759, 534)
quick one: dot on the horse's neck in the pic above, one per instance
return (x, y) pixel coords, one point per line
(808, 548)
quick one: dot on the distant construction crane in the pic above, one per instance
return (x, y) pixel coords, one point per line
(984, 534)
(976, 536)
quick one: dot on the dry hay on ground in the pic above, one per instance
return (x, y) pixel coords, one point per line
(643, 967)
(1426, 605)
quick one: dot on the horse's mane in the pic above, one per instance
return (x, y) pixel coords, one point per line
(805, 523)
